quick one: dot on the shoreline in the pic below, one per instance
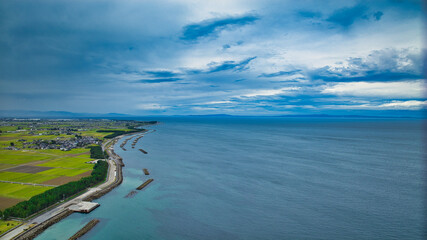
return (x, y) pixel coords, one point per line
(36, 225)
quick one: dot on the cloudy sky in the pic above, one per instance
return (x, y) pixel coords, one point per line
(238, 57)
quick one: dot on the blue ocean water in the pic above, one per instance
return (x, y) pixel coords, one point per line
(267, 178)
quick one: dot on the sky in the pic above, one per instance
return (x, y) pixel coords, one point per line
(191, 57)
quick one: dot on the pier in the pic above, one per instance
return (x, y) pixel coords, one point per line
(83, 207)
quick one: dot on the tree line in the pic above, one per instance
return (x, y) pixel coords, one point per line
(115, 133)
(96, 152)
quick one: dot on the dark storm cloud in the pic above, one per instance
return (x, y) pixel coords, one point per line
(213, 26)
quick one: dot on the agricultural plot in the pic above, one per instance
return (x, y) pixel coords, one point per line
(65, 172)
(30, 153)
(50, 167)
(69, 162)
(20, 157)
(19, 191)
(25, 177)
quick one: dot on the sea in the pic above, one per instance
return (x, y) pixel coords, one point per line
(266, 178)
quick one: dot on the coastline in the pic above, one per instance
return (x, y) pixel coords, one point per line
(36, 225)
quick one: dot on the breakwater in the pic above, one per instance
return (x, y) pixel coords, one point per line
(146, 171)
(124, 143)
(145, 184)
(85, 229)
(136, 140)
(144, 152)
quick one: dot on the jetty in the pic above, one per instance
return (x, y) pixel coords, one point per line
(144, 152)
(85, 229)
(124, 143)
(145, 184)
(145, 171)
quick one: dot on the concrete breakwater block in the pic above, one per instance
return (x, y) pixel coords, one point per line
(85, 229)
(143, 151)
(145, 184)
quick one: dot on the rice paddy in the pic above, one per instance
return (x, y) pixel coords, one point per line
(50, 167)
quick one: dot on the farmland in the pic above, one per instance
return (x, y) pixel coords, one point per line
(37, 155)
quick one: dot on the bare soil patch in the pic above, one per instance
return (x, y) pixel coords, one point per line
(6, 202)
(61, 180)
(28, 169)
(85, 174)
(76, 154)
(7, 138)
(36, 163)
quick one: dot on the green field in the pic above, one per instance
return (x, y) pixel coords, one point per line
(21, 157)
(6, 225)
(19, 191)
(62, 163)
(26, 177)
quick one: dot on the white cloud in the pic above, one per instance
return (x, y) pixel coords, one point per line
(216, 102)
(270, 92)
(406, 89)
(393, 105)
(411, 105)
(204, 109)
(151, 106)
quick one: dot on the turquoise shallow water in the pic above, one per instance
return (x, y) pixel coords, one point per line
(266, 178)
